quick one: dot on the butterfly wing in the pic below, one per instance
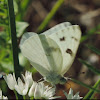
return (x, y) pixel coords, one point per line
(67, 37)
(41, 52)
(53, 53)
(32, 49)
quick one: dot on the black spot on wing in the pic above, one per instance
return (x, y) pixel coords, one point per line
(74, 38)
(69, 51)
(62, 39)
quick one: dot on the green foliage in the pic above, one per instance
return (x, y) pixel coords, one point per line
(22, 7)
(92, 68)
(3, 12)
(6, 58)
(20, 28)
(90, 94)
(85, 85)
(94, 49)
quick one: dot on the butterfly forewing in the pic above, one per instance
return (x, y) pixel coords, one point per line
(57, 28)
(68, 39)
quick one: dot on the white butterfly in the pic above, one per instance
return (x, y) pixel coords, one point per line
(52, 52)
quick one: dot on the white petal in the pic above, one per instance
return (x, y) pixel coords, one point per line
(18, 89)
(28, 78)
(71, 91)
(37, 92)
(10, 80)
(32, 89)
(0, 92)
(5, 98)
(25, 89)
(0, 97)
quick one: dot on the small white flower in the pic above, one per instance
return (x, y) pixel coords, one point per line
(1, 96)
(10, 80)
(32, 89)
(40, 91)
(28, 78)
(71, 96)
(21, 88)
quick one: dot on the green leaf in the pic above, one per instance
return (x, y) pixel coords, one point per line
(15, 7)
(90, 94)
(85, 85)
(92, 68)
(97, 51)
(20, 27)
(8, 65)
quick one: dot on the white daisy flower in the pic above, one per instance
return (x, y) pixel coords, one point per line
(71, 96)
(2, 97)
(28, 78)
(21, 88)
(10, 80)
(40, 91)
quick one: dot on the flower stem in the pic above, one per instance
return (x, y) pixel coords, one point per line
(16, 95)
(24, 97)
(32, 98)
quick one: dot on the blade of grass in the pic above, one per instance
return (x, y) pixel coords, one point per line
(94, 49)
(90, 94)
(13, 38)
(85, 85)
(50, 15)
(12, 30)
(92, 68)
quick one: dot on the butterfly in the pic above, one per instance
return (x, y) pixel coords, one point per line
(52, 52)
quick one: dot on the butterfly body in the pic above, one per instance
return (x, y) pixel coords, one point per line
(54, 78)
(52, 52)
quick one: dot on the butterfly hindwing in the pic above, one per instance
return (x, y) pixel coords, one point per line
(43, 53)
(32, 49)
